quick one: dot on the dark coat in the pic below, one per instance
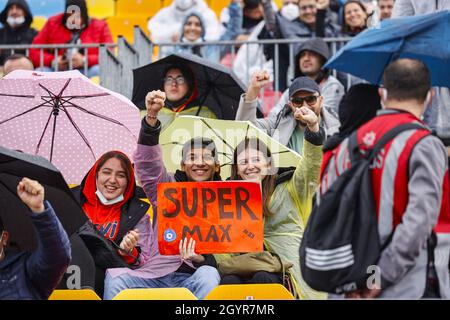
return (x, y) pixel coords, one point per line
(22, 35)
(34, 276)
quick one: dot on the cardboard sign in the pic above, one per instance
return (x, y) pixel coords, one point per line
(222, 217)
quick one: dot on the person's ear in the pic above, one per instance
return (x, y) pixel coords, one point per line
(182, 166)
(4, 238)
(217, 168)
(430, 96)
(382, 92)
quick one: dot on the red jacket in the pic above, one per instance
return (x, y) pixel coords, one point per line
(54, 32)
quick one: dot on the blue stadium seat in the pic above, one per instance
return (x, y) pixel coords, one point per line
(46, 8)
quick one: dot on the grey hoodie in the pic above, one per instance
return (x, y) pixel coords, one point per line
(415, 7)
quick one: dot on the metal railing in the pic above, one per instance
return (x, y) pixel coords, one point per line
(117, 61)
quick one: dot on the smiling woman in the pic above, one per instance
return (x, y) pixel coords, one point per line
(110, 198)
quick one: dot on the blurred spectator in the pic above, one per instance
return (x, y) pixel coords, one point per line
(437, 115)
(16, 19)
(34, 276)
(386, 8)
(194, 30)
(359, 105)
(74, 26)
(166, 24)
(354, 18)
(415, 7)
(17, 62)
(312, 21)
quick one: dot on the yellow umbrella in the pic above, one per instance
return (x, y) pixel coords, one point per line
(226, 134)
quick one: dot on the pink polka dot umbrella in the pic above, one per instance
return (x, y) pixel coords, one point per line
(66, 118)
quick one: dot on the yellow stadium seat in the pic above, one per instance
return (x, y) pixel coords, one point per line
(156, 294)
(125, 27)
(74, 295)
(38, 22)
(218, 5)
(271, 291)
(137, 8)
(101, 9)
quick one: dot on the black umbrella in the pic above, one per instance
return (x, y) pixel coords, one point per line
(15, 214)
(218, 88)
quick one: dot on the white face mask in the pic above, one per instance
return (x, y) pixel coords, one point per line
(290, 11)
(15, 22)
(107, 202)
(183, 5)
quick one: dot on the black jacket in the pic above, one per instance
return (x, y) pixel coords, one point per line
(22, 35)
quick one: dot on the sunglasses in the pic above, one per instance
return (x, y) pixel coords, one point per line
(310, 100)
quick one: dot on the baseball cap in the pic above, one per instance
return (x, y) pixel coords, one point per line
(303, 84)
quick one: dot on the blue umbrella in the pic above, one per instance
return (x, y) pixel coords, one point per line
(425, 38)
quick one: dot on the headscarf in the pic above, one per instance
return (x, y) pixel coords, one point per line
(97, 212)
(359, 105)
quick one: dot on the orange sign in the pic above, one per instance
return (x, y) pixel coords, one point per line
(222, 217)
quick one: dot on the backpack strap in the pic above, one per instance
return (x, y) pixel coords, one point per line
(353, 146)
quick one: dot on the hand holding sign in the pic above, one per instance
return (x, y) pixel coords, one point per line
(222, 217)
(187, 251)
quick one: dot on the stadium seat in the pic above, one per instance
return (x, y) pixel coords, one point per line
(101, 9)
(250, 292)
(218, 5)
(46, 8)
(156, 294)
(38, 22)
(125, 27)
(74, 295)
(137, 8)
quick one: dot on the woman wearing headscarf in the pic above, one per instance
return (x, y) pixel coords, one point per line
(110, 198)
(194, 30)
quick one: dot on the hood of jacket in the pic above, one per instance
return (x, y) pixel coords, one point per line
(24, 5)
(202, 23)
(316, 45)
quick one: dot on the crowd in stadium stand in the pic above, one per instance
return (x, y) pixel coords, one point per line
(315, 115)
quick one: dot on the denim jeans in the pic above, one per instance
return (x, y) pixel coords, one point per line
(91, 72)
(200, 283)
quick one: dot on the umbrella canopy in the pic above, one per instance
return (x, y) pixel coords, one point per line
(218, 88)
(15, 214)
(66, 118)
(425, 38)
(225, 134)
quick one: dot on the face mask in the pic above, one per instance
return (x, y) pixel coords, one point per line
(15, 22)
(290, 11)
(183, 5)
(107, 202)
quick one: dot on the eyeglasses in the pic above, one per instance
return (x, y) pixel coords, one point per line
(178, 80)
(309, 7)
(310, 100)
